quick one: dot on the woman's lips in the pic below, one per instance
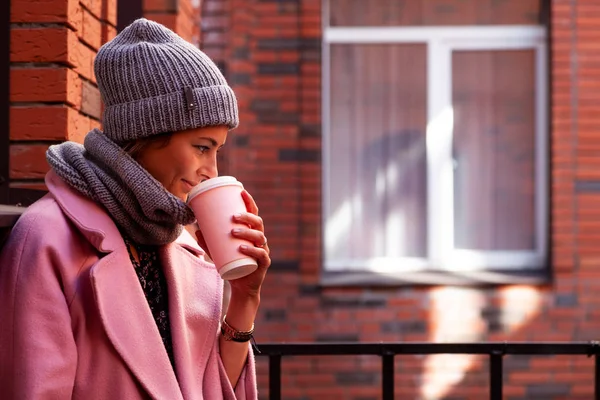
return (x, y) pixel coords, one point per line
(188, 185)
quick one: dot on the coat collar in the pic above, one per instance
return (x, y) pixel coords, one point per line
(92, 220)
(89, 217)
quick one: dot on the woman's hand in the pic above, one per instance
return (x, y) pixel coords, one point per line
(257, 248)
(245, 292)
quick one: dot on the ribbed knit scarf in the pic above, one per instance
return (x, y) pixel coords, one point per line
(141, 207)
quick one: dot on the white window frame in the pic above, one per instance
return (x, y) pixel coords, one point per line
(441, 42)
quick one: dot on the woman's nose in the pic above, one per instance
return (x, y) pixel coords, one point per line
(210, 169)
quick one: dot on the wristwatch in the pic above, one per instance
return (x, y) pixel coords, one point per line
(231, 334)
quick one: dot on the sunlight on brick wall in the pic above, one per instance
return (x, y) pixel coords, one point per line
(458, 315)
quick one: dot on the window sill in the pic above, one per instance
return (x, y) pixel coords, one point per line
(539, 276)
(9, 215)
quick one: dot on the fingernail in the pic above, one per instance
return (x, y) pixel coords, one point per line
(238, 215)
(236, 230)
(243, 246)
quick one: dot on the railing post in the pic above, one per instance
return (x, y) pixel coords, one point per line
(275, 377)
(387, 379)
(496, 375)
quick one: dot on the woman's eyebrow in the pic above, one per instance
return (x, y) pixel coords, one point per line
(211, 140)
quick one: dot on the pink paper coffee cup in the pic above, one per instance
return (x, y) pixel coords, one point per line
(214, 203)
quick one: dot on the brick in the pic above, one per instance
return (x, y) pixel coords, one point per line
(187, 9)
(216, 53)
(28, 161)
(587, 186)
(215, 38)
(109, 12)
(241, 53)
(40, 45)
(48, 123)
(94, 124)
(566, 300)
(160, 5)
(278, 44)
(215, 23)
(91, 103)
(94, 7)
(82, 57)
(548, 389)
(184, 26)
(399, 327)
(277, 68)
(259, 105)
(108, 33)
(38, 123)
(356, 378)
(282, 265)
(299, 155)
(79, 126)
(167, 19)
(91, 31)
(275, 315)
(214, 7)
(45, 85)
(46, 11)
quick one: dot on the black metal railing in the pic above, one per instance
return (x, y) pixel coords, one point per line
(387, 351)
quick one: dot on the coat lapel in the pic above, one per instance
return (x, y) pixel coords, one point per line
(195, 296)
(130, 326)
(195, 293)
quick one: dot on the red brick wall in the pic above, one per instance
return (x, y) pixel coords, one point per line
(178, 15)
(53, 92)
(271, 53)
(54, 96)
(214, 28)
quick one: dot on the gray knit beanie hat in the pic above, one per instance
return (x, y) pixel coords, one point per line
(152, 81)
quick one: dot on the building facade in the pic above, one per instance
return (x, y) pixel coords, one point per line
(427, 171)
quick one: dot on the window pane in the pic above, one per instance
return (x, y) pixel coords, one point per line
(433, 12)
(377, 161)
(494, 144)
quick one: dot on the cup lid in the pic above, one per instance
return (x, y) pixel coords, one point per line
(212, 184)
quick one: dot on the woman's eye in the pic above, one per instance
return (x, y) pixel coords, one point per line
(202, 149)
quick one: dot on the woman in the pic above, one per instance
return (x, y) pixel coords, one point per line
(104, 293)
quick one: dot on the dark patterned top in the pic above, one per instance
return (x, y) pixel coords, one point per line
(154, 284)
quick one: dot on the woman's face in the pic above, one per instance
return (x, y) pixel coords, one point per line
(189, 158)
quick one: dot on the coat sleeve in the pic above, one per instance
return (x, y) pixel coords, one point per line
(38, 356)
(246, 385)
(245, 389)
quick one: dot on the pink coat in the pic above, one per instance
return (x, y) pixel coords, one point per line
(75, 322)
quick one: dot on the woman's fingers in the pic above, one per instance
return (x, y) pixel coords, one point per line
(250, 203)
(256, 233)
(260, 254)
(251, 220)
(255, 237)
